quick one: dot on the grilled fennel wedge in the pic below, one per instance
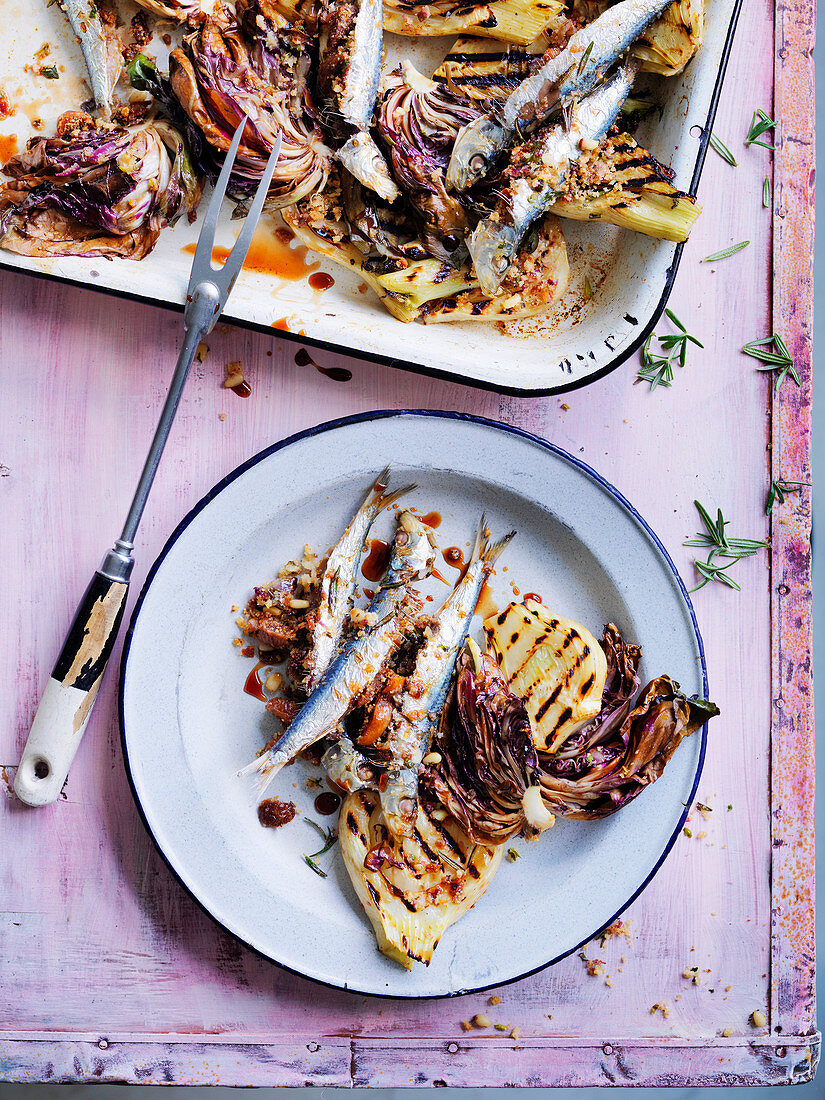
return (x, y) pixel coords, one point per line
(518, 21)
(554, 665)
(668, 43)
(431, 290)
(412, 888)
(622, 184)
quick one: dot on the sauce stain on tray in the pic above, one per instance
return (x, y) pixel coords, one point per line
(486, 605)
(454, 557)
(327, 803)
(270, 253)
(320, 281)
(8, 147)
(337, 374)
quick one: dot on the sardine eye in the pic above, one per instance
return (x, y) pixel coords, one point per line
(477, 162)
(501, 263)
(451, 242)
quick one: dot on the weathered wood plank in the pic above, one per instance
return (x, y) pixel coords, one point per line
(419, 1063)
(793, 982)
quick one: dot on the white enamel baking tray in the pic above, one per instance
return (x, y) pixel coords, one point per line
(579, 341)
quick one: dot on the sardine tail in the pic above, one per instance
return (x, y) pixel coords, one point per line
(381, 482)
(263, 769)
(493, 552)
(480, 541)
(386, 499)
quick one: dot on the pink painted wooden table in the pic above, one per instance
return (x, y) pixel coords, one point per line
(111, 972)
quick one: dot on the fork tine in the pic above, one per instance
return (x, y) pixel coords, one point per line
(202, 264)
(234, 261)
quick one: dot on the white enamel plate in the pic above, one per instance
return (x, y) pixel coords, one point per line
(188, 727)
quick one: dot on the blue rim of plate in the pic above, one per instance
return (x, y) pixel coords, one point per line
(386, 414)
(436, 372)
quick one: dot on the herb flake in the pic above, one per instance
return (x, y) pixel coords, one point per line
(766, 193)
(330, 836)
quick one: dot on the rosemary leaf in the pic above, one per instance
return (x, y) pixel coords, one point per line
(779, 488)
(657, 369)
(314, 866)
(766, 193)
(329, 836)
(719, 146)
(772, 352)
(726, 252)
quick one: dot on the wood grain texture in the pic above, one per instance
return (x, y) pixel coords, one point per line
(792, 795)
(97, 938)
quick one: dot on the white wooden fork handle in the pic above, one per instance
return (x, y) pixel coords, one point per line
(72, 688)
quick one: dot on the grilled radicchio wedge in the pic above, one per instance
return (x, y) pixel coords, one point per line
(96, 189)
(418, 121)
(605, 766)
(215, 81)
(487, 773)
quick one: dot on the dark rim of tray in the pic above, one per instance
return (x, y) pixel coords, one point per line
(385, 414)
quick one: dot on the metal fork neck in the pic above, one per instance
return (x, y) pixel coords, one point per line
(200, 314)
(203, 307)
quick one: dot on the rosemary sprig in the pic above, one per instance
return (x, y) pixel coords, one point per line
(760, 124)
(719, 146)
(657, 369)
(726, 252)
(778, 490)
(766, 193)
(772, 352)
(723, 550)
(330, 836)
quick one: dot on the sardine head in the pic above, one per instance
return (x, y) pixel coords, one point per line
(476, 147)
(417, 543)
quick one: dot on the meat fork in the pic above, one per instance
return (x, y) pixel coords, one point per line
(72, 688)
